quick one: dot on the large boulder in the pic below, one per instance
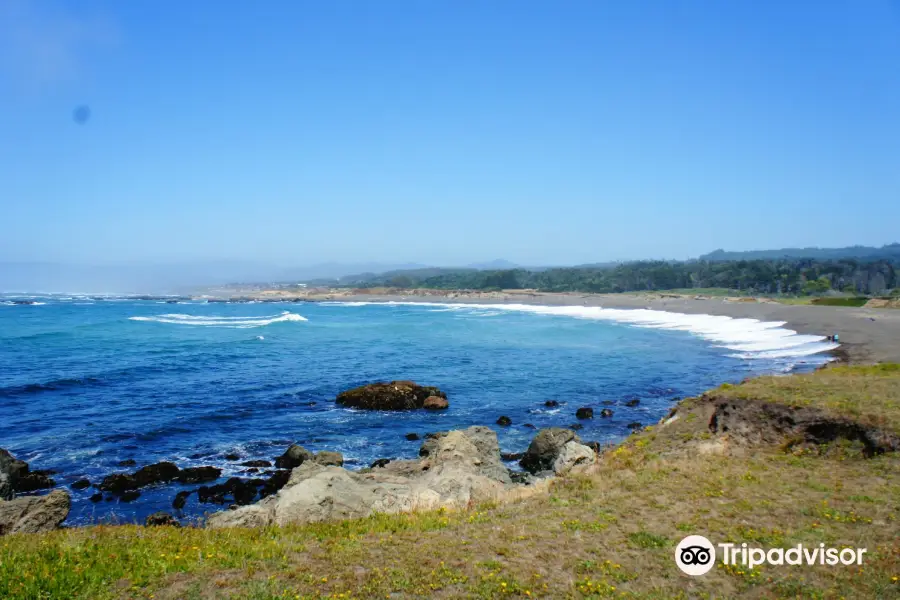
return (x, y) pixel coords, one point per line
(396, 395)
(545, 448)
(331, 459)
(34, 514)
(457, 468)
(573, 455)
(10, 470)
(199, 474)
(293, 457)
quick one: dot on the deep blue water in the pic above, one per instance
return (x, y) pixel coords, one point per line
(83, 385)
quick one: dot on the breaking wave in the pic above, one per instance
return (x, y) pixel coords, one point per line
(225, 322)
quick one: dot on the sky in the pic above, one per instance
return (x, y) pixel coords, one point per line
(445, 132)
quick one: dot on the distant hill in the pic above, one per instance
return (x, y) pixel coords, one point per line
(493, 265)
(889, 251)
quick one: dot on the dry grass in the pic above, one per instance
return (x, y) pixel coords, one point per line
(604, 535)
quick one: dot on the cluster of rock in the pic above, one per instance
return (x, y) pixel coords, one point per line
(455, 469)
(28, 514)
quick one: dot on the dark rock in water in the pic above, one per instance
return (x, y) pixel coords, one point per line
(635, 425)
(118, 483)
(160, 472)
(277, 481)
(379, 463)
(634, 402)
(585, 412)
(34, 514)
(241, 491)
(545, 447)
(529, 426)
(199, 474)
(180, 499)
(256, 463)
(110, 498)
(129, 496)
(606, 413)
(412, 437)
(504, 421)
(397, 395)
(334, 459)
(127, 463)
(30, 482)
(595, 446)
(551, 403)
(293, 457)
(81, 484)
(96, 497)
(232, 457)
(608, 403)
(11, 468)
(511, 455)
(576, 426)
(250, 470)
(161, 519)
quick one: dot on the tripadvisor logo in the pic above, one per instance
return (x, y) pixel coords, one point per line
(696, 555)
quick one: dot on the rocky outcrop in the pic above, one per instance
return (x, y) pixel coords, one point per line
(332, 459)
(435, 403)
(293, 457)
(11, 468)
(198, 474)
(396, 395)
(456, 469)
(572, 455)
(545, 448)
(34, 514)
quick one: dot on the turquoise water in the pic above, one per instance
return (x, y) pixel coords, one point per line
(85, 384)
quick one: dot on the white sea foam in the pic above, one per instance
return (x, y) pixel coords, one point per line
(753, 339)
(247, 322)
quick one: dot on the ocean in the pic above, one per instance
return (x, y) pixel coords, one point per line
(87, 382)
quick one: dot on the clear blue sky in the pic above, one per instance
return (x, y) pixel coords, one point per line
(445, 132)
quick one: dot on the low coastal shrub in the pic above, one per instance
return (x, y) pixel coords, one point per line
(859, 301)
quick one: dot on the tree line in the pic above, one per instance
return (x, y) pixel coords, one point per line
(769, 277)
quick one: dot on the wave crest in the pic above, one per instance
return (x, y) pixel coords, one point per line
(224, 322)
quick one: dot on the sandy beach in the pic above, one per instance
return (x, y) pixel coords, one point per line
(867, 335)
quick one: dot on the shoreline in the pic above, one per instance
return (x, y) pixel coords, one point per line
(867, 335)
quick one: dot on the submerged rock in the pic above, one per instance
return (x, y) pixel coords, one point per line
(551, 403)
(34, 514)
(545, 448)
(504, 421)
(396, 395)
(128, 462)
(412, 437)
(96, 497)
(632, 403)
(81, 484)
(606, 413)
(180, 499)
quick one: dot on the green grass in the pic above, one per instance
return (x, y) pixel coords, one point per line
(839, 301)
(608, 534)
